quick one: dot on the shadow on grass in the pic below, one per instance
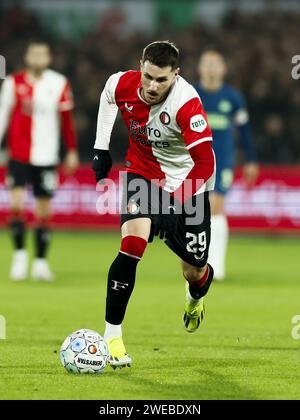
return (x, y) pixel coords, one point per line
(205, 384)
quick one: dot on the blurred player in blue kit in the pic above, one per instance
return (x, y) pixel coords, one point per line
(228, 118)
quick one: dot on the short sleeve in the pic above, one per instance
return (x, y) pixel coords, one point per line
(192, 120)
(66, 101)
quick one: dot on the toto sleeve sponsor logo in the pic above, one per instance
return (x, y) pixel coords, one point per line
(198, 123)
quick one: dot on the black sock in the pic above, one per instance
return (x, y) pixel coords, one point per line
(18, 231)
(198, 292)
(121, 279)
(42, 240)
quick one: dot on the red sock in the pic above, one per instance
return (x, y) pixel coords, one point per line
(199, 283)
(133, 246)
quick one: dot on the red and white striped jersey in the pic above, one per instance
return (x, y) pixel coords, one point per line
(160, 136)
(33, 112)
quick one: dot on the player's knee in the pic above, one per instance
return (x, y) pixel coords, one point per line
(133, 246)
(17, 206)
(43, 209)
(194, 274)
(137, 227)
(42, 221)
(42, 215)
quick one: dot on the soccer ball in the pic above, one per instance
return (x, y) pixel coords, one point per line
(84, 351)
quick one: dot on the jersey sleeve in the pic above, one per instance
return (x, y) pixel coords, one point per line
(110, 87)
(192, 120)
(241, 121)
(202, 175)
(107, 113)
(66, 101)
(65, 106)
(240, 113)
(197, 135)
(7, 99)
(68, 130)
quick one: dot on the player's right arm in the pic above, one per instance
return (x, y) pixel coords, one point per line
(7, 100)
(241, 121)
(197, 136)
(107, 114)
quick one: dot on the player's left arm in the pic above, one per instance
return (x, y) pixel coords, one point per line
(197, 136)
(66, 105)
(242, 123)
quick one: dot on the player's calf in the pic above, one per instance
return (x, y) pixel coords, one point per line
(18, 229)
(199, 280)
(121, 279)
(19, 266)
(42, 236)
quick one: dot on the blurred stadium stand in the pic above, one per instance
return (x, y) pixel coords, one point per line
(92, 39)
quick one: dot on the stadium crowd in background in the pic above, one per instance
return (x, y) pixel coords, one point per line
(258, 48)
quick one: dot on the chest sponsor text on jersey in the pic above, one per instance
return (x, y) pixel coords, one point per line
(141, 133)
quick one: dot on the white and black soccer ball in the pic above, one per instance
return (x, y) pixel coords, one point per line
(84, 351)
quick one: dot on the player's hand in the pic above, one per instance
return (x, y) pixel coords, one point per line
(167, 224)
(250, 173)
(71, 162)
(102, 164)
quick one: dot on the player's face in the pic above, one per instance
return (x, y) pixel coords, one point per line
(212, 66)
(38, 57)
(156, 81)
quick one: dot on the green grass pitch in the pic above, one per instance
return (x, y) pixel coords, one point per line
(244, 349)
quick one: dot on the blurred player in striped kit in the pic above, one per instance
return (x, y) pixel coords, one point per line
(35, 104)
(226, 112)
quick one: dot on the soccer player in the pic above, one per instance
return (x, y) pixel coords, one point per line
(169, 152)
(34, 104)
(226, 112)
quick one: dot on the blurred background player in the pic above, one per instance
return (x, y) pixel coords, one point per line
(226, 112)
(34, 103)
(169, 141)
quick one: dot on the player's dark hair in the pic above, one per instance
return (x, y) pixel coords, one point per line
(162, 54)
(38, 41)
(213, 50)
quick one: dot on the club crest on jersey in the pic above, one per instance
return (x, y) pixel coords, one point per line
(198, 123)
(165, 118)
